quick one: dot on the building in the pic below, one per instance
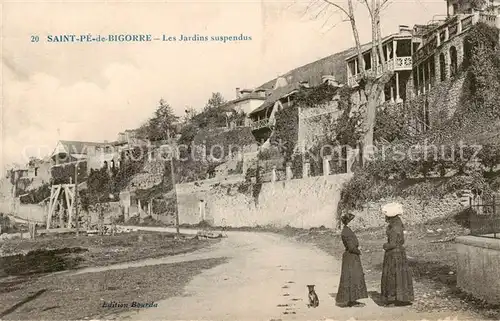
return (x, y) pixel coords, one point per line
(398, 50)
(245, 102)
(281, 91)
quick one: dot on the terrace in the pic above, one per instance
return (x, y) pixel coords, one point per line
(397, 50)
(452, 28)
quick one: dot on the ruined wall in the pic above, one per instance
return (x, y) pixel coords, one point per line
(190, 194)
(303, 203)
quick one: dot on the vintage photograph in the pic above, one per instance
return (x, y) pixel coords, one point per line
(250, 160)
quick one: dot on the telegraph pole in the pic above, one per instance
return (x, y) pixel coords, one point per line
(172, 174)
(75, 200)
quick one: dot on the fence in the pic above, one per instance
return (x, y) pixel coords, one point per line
(484, 219)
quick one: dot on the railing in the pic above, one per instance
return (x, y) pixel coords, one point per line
(261, 124)
(449, 30)
(484, 220)
(400, 63)
(489, 19)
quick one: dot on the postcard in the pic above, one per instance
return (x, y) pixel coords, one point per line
(250, 160)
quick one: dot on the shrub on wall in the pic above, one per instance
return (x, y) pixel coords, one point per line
(286, 131)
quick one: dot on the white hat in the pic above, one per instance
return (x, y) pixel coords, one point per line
(392, 209)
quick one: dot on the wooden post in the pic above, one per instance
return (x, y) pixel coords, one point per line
(288, 170)
(75, 201)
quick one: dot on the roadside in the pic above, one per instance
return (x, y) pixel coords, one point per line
(432, 256)
(77, 297)
(28, 272)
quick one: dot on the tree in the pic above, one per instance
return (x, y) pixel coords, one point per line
(372, 82)
(475, 4)
(215, 101)
(190, 113)
(161, 125)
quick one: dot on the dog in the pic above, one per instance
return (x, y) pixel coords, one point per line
(313, 297)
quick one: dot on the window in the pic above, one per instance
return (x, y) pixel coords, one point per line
(403, 48)
(368, 62)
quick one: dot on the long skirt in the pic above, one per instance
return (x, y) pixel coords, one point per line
(397, 283)
(352, 284)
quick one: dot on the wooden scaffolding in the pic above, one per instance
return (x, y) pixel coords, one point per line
(55, 201)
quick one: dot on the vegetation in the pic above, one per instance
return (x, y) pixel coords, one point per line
(452, 149)
(162, 125)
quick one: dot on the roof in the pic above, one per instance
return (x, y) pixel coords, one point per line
(312, 72)
(230, 104)
(78, 147)
(367, 46)
(276, 95)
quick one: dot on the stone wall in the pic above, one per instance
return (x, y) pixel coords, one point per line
(189, 196)
(478, 267)
(444, 100)
(314, 121)
(303, 203)
(416, 211)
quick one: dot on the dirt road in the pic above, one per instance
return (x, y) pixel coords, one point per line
(266, 279)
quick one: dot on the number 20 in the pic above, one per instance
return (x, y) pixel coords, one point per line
(35, 38)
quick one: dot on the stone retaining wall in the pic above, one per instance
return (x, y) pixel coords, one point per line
(478, 267)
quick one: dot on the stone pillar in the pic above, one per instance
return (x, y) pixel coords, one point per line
(398, 97)
(273, 174)
(306, 169)
(392, 94)
(139, 205)
(289, 173)
(326, 165)
(394, 49)
(150, 207)
(201, 205)
(424, 83)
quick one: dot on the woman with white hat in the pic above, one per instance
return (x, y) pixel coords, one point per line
(397, 283)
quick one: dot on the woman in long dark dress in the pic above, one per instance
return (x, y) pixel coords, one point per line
(397, 283)
(352, 285)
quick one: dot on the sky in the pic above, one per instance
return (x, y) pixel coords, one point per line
(93, 91)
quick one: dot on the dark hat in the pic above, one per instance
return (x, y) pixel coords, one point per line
(346, 218)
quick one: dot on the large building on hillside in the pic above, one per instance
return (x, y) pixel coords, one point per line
(280, 92)
(421, 57)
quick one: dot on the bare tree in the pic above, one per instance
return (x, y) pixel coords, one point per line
(372, 81)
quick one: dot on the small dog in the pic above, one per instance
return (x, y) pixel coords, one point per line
(313, 297)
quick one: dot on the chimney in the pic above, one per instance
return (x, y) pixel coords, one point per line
(404, 29)
(238, 92)
(304, 84)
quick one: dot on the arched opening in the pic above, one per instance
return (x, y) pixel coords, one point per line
(453, 61)
(442, 67)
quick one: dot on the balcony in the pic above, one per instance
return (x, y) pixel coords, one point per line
(398, 64)
(451, 29)
(266, 122)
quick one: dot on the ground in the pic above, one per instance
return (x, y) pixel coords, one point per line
(36, 285)
(432, 255)
(252, 276)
